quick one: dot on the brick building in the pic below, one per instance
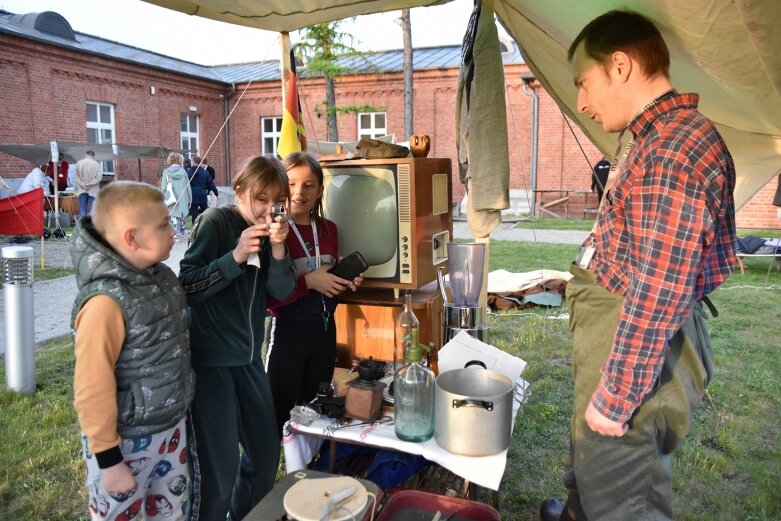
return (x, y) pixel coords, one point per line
(59, 84)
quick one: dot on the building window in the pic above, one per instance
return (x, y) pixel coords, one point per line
(100, 129)
(372, 125)
(269, 135)
(188, 128)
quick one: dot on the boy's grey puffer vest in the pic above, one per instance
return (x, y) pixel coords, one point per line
(155, 382)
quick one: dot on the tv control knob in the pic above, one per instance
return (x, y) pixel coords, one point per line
(404, 238)
(405, 255)
(404, 247)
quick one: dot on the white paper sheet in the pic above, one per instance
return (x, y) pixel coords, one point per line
(464, 348)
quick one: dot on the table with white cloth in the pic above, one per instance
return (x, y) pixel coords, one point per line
(302, 442)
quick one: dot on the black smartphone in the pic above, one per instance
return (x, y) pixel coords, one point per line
(350, 266)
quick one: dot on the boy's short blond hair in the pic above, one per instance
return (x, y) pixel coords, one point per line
(128, 198)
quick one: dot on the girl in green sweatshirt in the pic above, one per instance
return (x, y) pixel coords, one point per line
(237, 256)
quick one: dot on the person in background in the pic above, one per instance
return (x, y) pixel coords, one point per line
(176, 188)
(236, 259)
(87, 178)
(36, 179)
(62, 174)
(599, 177)
(302, 345)
(71, 171)
(201, 184)
(132, 385)
(213, 201)
(665, 240)
(209, 169)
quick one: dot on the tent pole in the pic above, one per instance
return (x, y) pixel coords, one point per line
(56, 195)
(139, 169)
(284, 62)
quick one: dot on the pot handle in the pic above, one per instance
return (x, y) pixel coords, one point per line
(475, 362)
(482, 404)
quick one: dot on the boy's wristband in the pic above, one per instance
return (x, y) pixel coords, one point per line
(109, 458)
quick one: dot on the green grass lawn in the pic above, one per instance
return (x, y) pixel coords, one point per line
(729, 468)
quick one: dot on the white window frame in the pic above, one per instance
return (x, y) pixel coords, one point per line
(100, 126)
(189, 135)
(270, 137)
(373, 131)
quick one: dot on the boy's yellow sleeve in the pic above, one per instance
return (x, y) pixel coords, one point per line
(100, 333)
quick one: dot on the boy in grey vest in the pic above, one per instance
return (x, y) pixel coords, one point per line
(132, 382)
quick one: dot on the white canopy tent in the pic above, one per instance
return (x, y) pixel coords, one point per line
(726, 50)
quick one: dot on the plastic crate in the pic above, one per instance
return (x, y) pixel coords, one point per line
(412, 505)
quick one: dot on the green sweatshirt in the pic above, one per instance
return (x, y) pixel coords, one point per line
(227, 300)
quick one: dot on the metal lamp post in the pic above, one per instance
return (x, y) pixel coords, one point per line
(19, 331)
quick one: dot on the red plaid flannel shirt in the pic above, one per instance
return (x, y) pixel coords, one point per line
(664, 238)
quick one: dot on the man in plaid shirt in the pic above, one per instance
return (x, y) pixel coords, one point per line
(664, 239)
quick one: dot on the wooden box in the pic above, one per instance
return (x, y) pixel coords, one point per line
(365, 321)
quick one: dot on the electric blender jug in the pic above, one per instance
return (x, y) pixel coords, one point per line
(465, 268)
(464, 313)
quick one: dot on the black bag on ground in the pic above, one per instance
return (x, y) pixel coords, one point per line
(750, 244)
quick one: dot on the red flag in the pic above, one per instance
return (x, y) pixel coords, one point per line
(291, 136)
(22, 214)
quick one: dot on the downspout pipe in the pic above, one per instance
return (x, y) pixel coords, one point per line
(225, 100)
(527, 79)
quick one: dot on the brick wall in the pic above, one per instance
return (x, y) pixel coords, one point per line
(44, 90)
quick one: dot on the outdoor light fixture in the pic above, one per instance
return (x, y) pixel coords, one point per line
(19, 331)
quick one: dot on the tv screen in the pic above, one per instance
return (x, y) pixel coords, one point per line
(362, 203)
(396, 212)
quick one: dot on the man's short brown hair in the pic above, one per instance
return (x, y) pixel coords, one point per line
(625, 31)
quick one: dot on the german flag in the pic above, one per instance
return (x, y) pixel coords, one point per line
(291, 137)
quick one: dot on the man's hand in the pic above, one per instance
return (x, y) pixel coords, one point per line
(602, 425)
(118, 479)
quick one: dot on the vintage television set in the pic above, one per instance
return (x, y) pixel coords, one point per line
(396, 212)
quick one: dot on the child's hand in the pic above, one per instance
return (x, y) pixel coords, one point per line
(326, 283)
(357, 281)
(277, 229)
(118, 479)
(249, 242)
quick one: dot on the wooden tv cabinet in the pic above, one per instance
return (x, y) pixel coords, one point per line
(365, 321)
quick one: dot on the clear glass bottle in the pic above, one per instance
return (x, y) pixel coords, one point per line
(413, 398)
(406, 332)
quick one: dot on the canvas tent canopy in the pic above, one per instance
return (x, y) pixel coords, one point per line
(40, 153)
(726, 50)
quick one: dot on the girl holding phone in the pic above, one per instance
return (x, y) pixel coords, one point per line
(302, 344)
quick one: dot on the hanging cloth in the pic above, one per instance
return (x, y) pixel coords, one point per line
(481, 120)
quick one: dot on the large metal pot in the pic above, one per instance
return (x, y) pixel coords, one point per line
(473, 410)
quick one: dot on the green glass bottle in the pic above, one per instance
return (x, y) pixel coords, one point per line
(413, 398)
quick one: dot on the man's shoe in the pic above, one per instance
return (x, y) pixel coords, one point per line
(551, 509)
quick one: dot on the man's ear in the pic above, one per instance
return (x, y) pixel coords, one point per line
(622, 65)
